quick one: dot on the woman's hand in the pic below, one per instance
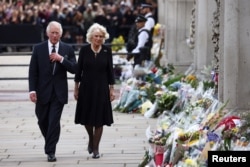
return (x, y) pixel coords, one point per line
(76, 91)
(112, 94)
(76, 94)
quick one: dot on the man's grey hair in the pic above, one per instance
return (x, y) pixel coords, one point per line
(54, 23)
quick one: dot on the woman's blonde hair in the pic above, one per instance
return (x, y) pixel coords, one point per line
(95, 28)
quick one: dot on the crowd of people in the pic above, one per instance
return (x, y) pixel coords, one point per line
(76, 16)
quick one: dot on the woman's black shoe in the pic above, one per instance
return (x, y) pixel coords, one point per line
(51, 158)
(96, 156)
(90, 150)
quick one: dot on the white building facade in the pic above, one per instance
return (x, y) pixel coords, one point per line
(213, 33)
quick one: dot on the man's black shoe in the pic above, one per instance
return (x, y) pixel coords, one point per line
(51, 158)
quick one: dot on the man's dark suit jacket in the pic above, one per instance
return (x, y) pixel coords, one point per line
(41, 79)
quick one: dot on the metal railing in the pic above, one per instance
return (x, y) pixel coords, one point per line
(29, 53)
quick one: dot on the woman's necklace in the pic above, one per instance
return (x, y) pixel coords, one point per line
(96, 51)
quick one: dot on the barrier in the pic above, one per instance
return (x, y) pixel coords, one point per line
(29, 53)
(20, 34)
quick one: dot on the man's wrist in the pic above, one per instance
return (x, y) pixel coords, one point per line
(61, 59)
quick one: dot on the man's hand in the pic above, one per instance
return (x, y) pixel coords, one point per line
(33, 97)
(55, 57)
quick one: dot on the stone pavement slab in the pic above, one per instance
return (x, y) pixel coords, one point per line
(21, 144)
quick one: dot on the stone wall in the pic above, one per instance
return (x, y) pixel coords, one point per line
(211, 33)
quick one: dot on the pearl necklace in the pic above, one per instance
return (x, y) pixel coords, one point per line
(98, 50)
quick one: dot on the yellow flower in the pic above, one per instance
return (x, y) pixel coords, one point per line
(235, 130)
(157, 28)
(190, 78)
(191, 162)
(211, 143)
(117, 43)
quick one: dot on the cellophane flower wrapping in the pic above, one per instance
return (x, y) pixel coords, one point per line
(184, 138)
(185, 128)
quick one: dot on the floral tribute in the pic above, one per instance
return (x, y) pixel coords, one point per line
(190, 120)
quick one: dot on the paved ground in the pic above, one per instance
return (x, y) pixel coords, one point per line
(21, 143)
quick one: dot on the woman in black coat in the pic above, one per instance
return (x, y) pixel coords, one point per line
(94, 89)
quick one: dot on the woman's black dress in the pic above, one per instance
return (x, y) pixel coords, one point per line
(95, 74)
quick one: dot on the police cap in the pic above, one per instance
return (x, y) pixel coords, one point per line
(146, 5)
(140, 18)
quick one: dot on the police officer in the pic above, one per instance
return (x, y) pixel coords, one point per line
(142, 50)
(146, 11)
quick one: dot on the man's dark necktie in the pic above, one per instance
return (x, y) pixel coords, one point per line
(53, 49)
(54, 63)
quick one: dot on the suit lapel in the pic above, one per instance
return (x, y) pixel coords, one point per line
(61, 51)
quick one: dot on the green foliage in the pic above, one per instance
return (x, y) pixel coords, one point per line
(117, 43)
(244, 130)
(208, 84)
(194, 83)
(146, 159)
(150, 91)
(167, 70)
(173, 78)
(165, 102)
(149, 79)
(170, 69)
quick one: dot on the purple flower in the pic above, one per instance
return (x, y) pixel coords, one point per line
(211, 136)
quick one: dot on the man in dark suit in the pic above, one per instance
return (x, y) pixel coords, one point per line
(48, 85)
